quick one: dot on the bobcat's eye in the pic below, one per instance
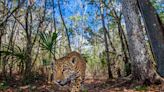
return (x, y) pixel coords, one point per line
(64, 69)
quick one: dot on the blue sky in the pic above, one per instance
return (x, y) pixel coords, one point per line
(79, 8)
(76, 8)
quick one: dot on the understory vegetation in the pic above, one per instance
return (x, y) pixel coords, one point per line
(121, 40)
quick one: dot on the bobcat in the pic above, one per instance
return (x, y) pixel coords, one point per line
(70, 70)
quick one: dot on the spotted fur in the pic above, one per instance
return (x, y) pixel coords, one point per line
(70, 70)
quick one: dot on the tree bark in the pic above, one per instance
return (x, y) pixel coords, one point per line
(2, 33)
(155, 32)
(142, 67)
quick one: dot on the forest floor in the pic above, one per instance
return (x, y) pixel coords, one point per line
(90, 85)
(120, 85)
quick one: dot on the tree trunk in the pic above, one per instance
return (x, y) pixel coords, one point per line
(110, 42)
(2, 31)
(142, 67)
(0, 47)
(123, 39)
(28, 59)
(54, 22)
(106, 43)
(125, 48)
(120, 30)
(67, 34)
(155, 32)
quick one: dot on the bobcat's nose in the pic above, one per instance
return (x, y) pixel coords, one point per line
(62, 83)
(58, 81)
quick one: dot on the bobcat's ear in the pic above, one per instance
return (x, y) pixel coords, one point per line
(74, 60)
